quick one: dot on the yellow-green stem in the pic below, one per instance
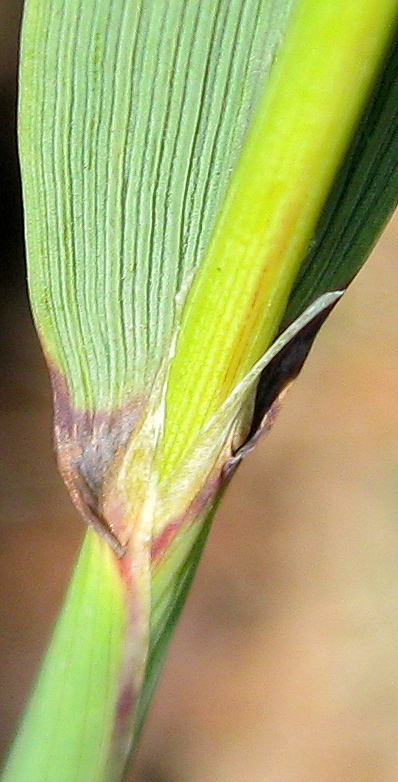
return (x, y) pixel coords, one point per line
(295, 146)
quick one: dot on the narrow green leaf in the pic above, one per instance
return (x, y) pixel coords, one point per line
(297, 142)
(362, 199)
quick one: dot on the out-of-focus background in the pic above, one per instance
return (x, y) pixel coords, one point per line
(284, 667)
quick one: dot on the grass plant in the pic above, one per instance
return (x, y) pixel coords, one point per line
(201, 181)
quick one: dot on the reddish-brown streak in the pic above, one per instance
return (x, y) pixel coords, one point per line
(88, 443)
(203, 498)
(219, 478)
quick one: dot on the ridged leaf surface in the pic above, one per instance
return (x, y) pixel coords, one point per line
(133, 113)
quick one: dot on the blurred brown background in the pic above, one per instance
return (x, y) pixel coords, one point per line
(284, 667)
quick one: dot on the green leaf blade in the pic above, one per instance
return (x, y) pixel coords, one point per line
(362, 199)
(133, 141)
